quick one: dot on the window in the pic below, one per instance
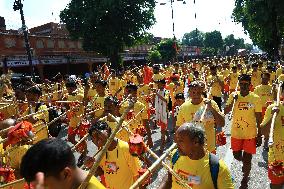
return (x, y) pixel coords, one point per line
(50, 43)
(9, 42)
(61, 44)
(71, 44)
(39, 44)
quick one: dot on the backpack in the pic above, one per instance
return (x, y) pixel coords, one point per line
(213, 164)
(55, 127)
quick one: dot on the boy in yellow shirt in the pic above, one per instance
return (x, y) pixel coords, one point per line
(255, 76)
(118, 165)
(276, 151)
(191, 111)
(245, 131)
(51, 164)
(113, 83)
(98, 100)
(193, 163)
(216, 82)
(266, 92)
(138, 114)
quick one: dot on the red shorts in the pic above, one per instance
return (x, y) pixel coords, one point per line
(275, 179)
(263, 111)
(162, 125)
(226, 88)
(76, 131)
(248, 145)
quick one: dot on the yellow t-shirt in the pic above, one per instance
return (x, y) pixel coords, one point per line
(197, 174)
(189, 111)
(91, 93)
(216, 87)
(120, 168)
(158, 76)
(43, 118)
(14, 157)
(233, 80)
(142, 93)
(95, 184)
(264, 92)
(98, 102)
(272, 78)
(244, 121)
(7, 110)
(77, 110)
(114, 85)
(281, 77)
(138, 120)
(278, 72)
(226, 73)
(122, 134)
(277, 150)
(175, 89)
(256, 78)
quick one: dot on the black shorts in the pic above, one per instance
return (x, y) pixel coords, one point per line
(218, 100)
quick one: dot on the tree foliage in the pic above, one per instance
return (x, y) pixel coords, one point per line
(232, 44)
(213, 40)
(108, 26)
(263, 20)
(168, 49)
(154, 57)
(193, 38)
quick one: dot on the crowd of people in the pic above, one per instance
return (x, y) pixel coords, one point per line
(44, 126)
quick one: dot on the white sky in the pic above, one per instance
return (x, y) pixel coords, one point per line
(211, 15)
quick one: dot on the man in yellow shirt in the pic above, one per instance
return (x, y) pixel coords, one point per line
(41, 117)
(266, 92)
(118, 165)
(216, 82)
(191, 111)
(245, 131)
(113, 83)
(255, 76)
(138, 115)
(51, 164)
(193, 163)
(98, 100)
(233, 78)
(276, 151)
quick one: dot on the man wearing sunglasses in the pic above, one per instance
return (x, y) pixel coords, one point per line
(245, 129)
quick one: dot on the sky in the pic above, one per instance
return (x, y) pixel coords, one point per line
(210, 15)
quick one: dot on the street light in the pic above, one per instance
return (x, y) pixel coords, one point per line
(19, 6)
(172, 1)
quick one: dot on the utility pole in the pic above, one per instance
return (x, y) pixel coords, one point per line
(19, 6)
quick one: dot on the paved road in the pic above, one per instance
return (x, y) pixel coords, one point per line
(258, 176)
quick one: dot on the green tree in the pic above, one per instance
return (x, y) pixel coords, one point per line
(154, 57)
(168, 49)
(263, 20)
(232, 44)
(208, 51)
(193, 38)
(110, 25)
(213, 40)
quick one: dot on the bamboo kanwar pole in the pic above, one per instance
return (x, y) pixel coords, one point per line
(234, 102)
(206, 106)
(153, 167)
(271, 132)
(10, 184)
(85, 183)
(79, 142)
(157, 157)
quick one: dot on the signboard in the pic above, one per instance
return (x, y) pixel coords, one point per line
(19, 63)
(53, 61)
